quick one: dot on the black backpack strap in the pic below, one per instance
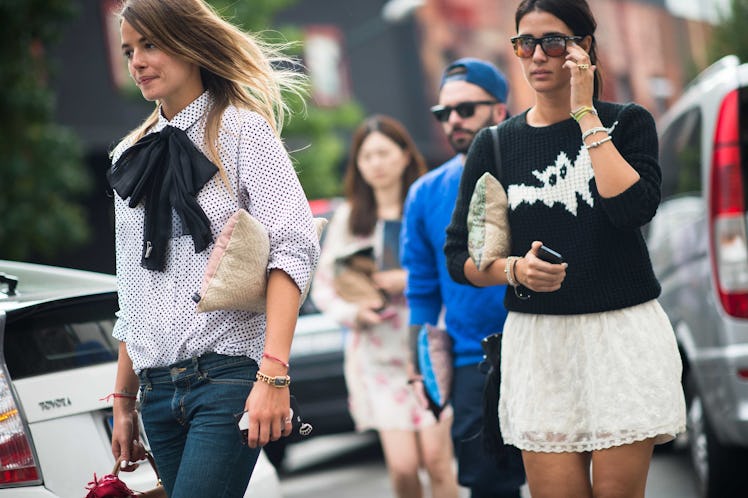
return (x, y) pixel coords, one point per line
(496, 151)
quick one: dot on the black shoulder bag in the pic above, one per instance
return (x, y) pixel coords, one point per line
(492, 440)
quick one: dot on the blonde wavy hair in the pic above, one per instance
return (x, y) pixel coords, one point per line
(236, 67)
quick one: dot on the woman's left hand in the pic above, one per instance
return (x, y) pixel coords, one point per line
(269, 410)
(538, 275)
(390, 281)
(582, 76)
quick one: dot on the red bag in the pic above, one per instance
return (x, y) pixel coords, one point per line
(110, 486)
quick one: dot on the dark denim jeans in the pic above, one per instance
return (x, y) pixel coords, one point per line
(188, 413)
(476, 469)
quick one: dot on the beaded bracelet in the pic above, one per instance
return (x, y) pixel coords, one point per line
(581, 111)
(276, 359)
(598, 143)
(594, 130)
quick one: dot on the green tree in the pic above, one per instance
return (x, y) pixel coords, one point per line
(730, 35)
(321, 146)
(41, 170)
(314, 134)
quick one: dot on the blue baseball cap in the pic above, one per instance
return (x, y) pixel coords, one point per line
(478, 72)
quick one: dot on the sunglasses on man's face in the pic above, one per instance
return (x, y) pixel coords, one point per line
(464, 109)
(552, 45)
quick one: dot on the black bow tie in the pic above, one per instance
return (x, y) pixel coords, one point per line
(168, 171)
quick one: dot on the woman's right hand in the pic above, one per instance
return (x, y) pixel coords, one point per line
(538, 275)
(582, 76)
(126, 445)
(368, 315)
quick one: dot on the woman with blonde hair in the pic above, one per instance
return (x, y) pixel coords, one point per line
(211, 146)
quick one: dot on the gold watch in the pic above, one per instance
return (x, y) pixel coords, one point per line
(278, 381)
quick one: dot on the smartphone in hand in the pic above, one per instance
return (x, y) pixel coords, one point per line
(298, 426)
(549, 255)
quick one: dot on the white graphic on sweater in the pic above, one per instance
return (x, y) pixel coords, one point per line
(563, 182)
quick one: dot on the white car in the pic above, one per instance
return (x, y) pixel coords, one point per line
(57, 362)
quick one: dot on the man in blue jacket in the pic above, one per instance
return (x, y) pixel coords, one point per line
(472, 96)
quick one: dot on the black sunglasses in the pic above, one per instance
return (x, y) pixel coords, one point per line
(552, 45)
(464, 109)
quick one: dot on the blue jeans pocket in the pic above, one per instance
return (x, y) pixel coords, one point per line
(234, 370)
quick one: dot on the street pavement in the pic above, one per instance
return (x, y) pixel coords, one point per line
(352, 465)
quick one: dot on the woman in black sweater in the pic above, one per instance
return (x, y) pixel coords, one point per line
(590, 368)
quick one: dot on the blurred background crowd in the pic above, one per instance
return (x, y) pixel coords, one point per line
(67, 96)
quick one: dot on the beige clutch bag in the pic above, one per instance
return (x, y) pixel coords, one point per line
(487, 223)
(236, 275)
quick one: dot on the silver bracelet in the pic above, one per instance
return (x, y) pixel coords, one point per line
(512, 271)
(594, 130)
(598, 143)
(508, 271)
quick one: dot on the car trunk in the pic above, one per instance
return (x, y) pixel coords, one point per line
(61, 359)
(71, 429)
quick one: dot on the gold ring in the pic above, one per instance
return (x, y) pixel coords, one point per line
(583, 66)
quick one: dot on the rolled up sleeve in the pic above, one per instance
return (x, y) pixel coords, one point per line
(275, 197)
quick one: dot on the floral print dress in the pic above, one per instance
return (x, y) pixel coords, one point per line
(376, 357)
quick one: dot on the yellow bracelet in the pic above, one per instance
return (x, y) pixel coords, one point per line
(581, 111)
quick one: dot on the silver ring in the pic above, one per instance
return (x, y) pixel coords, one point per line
(287, 420)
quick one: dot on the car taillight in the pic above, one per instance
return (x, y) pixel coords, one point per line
(727, 211)
(18, 464)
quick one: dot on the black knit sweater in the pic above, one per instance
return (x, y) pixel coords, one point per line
(553, 198)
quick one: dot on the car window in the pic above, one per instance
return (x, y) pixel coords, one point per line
(680, 155)
(61, 336)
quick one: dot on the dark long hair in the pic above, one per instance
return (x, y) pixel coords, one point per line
(574, 13)
(359, 194)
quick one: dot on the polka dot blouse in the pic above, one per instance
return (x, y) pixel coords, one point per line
(157, 317)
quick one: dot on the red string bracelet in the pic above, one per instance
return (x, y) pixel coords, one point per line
(276, 359)
(118, 395)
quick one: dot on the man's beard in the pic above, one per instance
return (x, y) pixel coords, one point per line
(461, 145)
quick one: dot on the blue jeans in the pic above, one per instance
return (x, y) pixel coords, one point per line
(477, 469)
(188, 414)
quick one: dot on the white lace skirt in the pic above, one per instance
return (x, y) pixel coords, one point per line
(574, 383)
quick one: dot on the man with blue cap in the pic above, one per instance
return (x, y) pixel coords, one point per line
(472, 96)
